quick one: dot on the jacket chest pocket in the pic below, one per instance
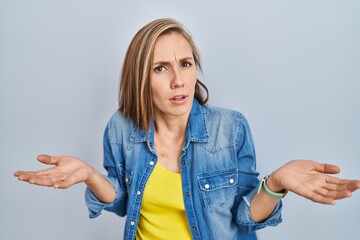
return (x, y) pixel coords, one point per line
(218, 188)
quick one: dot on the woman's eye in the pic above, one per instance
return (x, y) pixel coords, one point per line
(160, 69)
(186, 64)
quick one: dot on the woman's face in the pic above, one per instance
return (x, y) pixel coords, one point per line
(173, 76)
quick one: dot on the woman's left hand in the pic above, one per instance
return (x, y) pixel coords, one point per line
(310, 179)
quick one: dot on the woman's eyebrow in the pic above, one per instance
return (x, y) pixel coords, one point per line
(170, 62)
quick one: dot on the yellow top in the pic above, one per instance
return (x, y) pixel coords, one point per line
(162, 214)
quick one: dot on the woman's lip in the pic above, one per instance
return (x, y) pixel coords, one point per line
(179, 99)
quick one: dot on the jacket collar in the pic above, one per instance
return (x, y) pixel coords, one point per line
(197, 126)
(196, 129)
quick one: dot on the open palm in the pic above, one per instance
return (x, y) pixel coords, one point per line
(66, 172)
(311, 180)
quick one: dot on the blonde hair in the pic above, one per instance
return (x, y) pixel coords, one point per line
(135, 99)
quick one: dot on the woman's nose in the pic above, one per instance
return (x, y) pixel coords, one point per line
(177, 81)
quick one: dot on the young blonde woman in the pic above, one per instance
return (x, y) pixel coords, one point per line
(178, 168)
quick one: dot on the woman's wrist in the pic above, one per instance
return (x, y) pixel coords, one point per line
(93, 177)
(273, 183)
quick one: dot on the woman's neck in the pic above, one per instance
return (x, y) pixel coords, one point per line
(169, 139)
(171, 127)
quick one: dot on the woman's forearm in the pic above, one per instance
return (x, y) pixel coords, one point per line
(101, 187)
(262, 205)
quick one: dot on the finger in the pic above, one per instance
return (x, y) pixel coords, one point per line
(334, 192)
(345, 184)
(336, 195)
(41, 181)
(61, 185)
(45, 180)
(47, 159)
(333, 183)
(353, 185)
(322, 199)
(337, 187)
(24, 176)
(334, 187)
(17, 173)
(327, 168)
(49, 171)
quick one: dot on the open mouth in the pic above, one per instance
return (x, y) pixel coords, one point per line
(178, 98)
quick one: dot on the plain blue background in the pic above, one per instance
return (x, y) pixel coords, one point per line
(292, 67)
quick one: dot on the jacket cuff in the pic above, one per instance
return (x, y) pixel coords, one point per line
(95, 206)
(244, 217)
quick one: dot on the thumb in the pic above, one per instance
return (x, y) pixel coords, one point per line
(47, 159)
(327, 168)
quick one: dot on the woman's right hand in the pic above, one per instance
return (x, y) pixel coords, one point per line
(66, 172)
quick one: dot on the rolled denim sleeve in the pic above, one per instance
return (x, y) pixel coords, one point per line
(112, 159)
(245, 220)
(249, 182)
(95, 206)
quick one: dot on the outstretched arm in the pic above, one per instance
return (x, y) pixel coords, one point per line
(306, 178)
(66, 172)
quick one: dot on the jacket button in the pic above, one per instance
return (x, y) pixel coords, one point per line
(184, 162)
(138, 192)
(194, 228)
(207, 186)
(231, 181)
(126, 179)
(187, 194)
(132, 223)
(152, 163)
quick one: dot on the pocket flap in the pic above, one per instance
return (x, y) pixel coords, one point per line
(217, 180)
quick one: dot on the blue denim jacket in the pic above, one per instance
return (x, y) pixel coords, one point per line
(218, 171)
